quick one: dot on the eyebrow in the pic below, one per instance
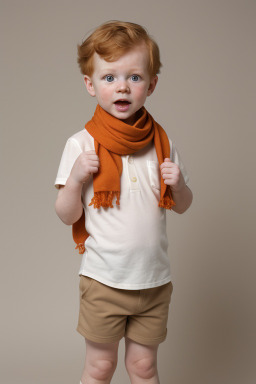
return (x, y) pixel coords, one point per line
(112, 70)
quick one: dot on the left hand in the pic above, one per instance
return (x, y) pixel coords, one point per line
(172, 175)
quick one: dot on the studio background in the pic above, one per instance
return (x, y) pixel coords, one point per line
(205, 99)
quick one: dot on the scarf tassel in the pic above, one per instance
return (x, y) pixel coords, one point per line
(81, 248)
(166, 202)
(104, 199)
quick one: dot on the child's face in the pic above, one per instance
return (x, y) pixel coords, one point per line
(121, 87)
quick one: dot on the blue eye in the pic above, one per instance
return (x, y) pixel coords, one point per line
(135, 78)
(109, 78)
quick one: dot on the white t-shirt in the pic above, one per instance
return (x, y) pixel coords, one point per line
(127, 246)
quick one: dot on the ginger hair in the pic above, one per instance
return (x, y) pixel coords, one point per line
(113, 39)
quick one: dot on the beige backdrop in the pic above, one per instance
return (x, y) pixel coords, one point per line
(204, 99)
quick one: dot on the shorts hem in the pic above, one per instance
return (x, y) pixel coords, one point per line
(147, 341)
(98, 339)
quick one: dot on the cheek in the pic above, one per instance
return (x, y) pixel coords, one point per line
(140, 93)
(105, 93)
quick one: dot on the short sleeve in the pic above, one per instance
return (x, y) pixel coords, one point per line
(175, 158)
(71, 152)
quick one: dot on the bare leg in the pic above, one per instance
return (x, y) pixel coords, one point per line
(100, 362)
(141, 362)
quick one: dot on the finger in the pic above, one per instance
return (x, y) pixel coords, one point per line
(167, 159)
(93, 169)
(171, 180)
(91, 158)
(94, 162)
(90, 152)
(166, 170)
(167, 176)
(91, 155)
(167, 164)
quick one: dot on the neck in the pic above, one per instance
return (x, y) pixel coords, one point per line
(132, 120)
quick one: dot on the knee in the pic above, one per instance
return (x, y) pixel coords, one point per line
(145, 368)
(102, 369)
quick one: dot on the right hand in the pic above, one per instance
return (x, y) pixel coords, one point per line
(85, 165)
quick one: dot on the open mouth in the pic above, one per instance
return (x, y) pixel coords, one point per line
(122, 102)
(122, 105)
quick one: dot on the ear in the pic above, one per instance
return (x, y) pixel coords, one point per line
(152, 85)
(89, 85)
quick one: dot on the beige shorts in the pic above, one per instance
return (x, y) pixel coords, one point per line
(107, 314)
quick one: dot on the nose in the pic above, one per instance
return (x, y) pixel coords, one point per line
(123, 87)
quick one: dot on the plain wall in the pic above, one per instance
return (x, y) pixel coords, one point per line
(205, 99)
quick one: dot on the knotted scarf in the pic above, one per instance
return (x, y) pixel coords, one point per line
(114, 138)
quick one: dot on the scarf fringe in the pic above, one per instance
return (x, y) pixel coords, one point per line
(81, 248)
(166, 202)
(104, 199)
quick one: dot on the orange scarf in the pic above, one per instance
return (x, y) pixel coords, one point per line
(112, 139)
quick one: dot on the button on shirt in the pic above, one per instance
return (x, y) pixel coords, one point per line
(127, 246)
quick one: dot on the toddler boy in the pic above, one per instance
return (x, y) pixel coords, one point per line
(116, 179)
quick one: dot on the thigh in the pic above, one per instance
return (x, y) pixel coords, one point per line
(101, 351)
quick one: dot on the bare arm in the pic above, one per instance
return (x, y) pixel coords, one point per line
(181, 194)
(182, 199)
(68, 205)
